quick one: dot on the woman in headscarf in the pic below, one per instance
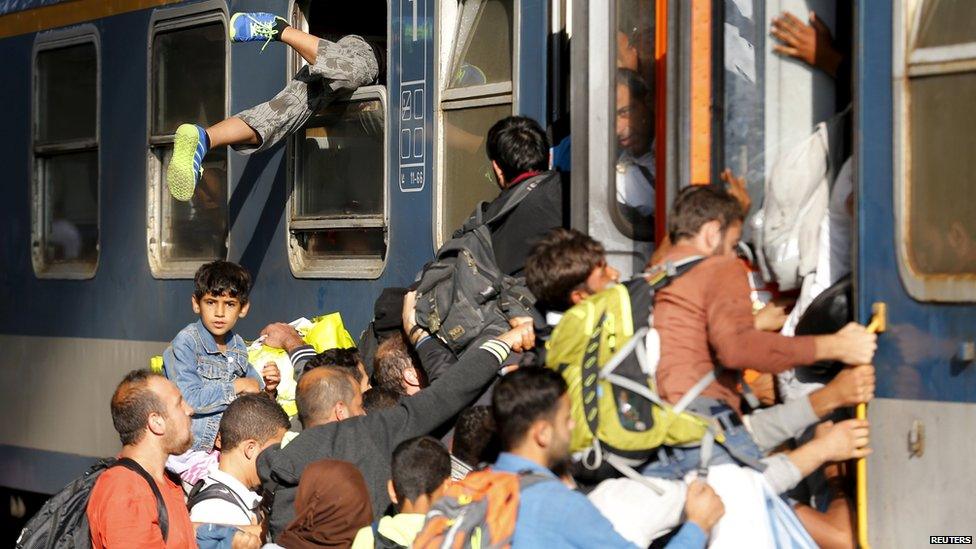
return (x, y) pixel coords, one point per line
(331, 505)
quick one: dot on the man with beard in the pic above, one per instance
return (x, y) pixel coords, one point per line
(532, 412)
(153, 422)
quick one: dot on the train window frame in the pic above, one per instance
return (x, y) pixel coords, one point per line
(162, 21)
(337, 267)
(909, 61)
(69, 270)
(472, 97)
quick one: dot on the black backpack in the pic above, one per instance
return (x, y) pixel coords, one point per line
(63, 520)
(218, 490)
(463, 296)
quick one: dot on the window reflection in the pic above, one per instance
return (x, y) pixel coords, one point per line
(342, 161)
(71, 196)
(197, 230)
(485, 37)
(635, 177)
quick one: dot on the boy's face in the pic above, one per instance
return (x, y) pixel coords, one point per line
(219, 313)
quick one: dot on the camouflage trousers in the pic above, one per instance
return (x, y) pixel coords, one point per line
(340, 67)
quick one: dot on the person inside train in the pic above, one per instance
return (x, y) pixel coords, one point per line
(208, 361)
(334, 69)
(228, 494)
(635, 145)
(153, 422)
(335, 427)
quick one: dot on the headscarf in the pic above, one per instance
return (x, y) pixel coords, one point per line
(331, 505)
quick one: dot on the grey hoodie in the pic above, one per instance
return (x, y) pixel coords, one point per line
(368, 441)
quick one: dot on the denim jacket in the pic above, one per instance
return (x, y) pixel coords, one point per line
(206, 377)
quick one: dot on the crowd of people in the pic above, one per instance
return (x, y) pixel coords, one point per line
(409, 441)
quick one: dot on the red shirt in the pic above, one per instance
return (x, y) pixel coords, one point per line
(122, 513)
(705, 318)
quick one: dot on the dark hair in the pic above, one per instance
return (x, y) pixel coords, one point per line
(132, 402)
(523, 397)
(251, 416)
(380, 398)
(391, 360)
(420, 466)
(560, 263)
(475, 436)
(636, 85)
(347, 359)
(518, 145)
(698, 204)
(219, 277)
(320, 390)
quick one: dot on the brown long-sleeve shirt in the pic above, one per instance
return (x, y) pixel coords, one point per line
(705, 318)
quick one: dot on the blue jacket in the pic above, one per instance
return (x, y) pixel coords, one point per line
(206, 377)
(552, 515)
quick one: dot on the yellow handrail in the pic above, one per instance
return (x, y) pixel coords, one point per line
(879, 321)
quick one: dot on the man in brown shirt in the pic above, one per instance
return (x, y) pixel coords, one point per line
(705, 316)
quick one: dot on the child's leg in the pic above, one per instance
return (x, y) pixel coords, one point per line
(232, 131)
(305, 44)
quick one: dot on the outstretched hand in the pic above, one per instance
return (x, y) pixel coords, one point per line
(737, 188)
(811, 43)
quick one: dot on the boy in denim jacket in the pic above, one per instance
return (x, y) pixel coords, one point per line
(207, 360)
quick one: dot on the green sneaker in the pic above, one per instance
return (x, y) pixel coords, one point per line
(186, 165)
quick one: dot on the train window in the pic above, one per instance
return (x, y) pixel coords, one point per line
(476, 81)
(934, 171)
(337, 222)
(65, 232)
(634, 178)
(188, 85)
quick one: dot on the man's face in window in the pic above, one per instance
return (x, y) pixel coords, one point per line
(634, 125)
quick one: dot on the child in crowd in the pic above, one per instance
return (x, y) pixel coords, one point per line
(226, 495)
(208, 361)
(421, 471)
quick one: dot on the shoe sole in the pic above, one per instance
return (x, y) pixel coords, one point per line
(230, 28)
(180, 176)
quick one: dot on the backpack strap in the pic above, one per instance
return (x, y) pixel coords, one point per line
(518, 194)
(646, 173)
(133, 466)
(379, 540)
(217, 490)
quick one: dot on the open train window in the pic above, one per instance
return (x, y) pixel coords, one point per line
(65, 205)
(187, 84)
(338, 213)
(476, 90)
(935, 83)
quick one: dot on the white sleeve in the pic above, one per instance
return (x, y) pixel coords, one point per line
(218, 511)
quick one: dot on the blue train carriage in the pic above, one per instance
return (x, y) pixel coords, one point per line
(98, 259)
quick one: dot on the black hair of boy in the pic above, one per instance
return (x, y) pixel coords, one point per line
(380, 398)
(698, 204)
(220, 277)
(347, 359)
(523, 397)
(518, 145)
(420, 466)
(132, 403)
(560, 263)
(475, 436)
(251, 417)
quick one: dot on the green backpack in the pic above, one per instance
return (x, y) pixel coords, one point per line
(607, 351)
